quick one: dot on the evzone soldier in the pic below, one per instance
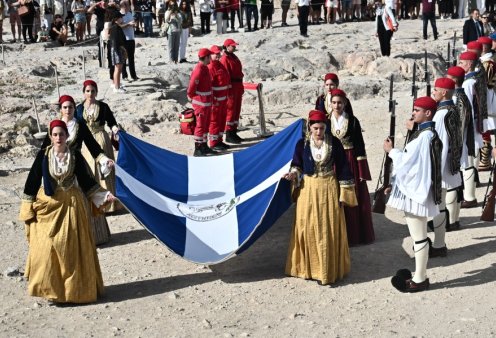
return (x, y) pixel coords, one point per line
(481, 91)
(221, 86)
(200, 94)
(489, 124)
(235, 70)
(448, 127)
(473, 89)
(464, 109)
(416, 189)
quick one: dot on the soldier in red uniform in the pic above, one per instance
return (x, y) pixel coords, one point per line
(221, 86)
(200, 94)
(235, 70)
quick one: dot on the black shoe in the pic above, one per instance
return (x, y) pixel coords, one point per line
(218, 148)
(183, 60)
(411, 286)
(231, 137)
(236, 136)
(223, 145)
(200, 150)
(209, 151)
(453, 227)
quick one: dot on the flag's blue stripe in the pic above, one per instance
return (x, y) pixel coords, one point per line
(160, 169)
(253, 165)
(168, 228)
(278, 206)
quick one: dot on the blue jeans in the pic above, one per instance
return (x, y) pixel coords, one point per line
(147, 23)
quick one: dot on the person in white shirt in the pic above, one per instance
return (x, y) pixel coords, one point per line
(417, 189)
(303, 11)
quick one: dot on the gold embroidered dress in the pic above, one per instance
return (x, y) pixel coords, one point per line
(96, 116)
(318, 246)
(62, 263)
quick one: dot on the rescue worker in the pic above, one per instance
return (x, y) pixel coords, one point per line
(234, 68)
(200, 94)
(221, 85)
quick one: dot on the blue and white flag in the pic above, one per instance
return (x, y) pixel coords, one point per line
(206, 209)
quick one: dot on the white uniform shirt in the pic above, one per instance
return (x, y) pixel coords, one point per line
(412, 191)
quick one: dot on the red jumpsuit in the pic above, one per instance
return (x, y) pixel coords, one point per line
(200, 93)
(235, 70)
(221, 85)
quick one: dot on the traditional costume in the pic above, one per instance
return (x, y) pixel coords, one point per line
(322, 101)
(346, 128)
(318, 247)
(95, 118)
(489, 123)
(476, 94)
(79, 134)
(464, 110)
(448, 127)
(417, 191)
(62, 263)
(235, 70)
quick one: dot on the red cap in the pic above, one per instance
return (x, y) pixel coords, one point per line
(331, 76)
(474, 45)
(426, 102)
(215, 49)
(485, 40)
(444, 83)
(89, 83)
(456, 71)
(317, 115)
(204, 52)
(230, 42)
(65, 98)
(468, 56)
(58, 123)
(338, 92)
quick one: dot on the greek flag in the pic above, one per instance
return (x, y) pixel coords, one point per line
(206, 209)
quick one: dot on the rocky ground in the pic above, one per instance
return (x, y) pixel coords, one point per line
(152, 292)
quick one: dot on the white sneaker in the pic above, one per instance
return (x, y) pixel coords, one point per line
(119, 91)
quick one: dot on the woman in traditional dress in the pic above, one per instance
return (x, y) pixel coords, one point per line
(318, 247)
(347, 129)
(96, 114)
(79, 133)
(331, 82)
(62, 264)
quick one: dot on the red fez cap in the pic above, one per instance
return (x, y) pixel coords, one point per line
(338, 92)
(89, 83)
(204, 52)
(65, 98)
(474, 45)
(331, 76)
(485, 40)
(317, 115)
(58, 123)
(468, 56)
(456, 71)
(426, 102)
(444, 83)
(230, 42)
(215, 49)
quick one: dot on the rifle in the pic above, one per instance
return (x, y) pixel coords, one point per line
(379, 205)
(426, 76)
(489, 199)
(448, 62)
(453, 51)
(414, 94)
